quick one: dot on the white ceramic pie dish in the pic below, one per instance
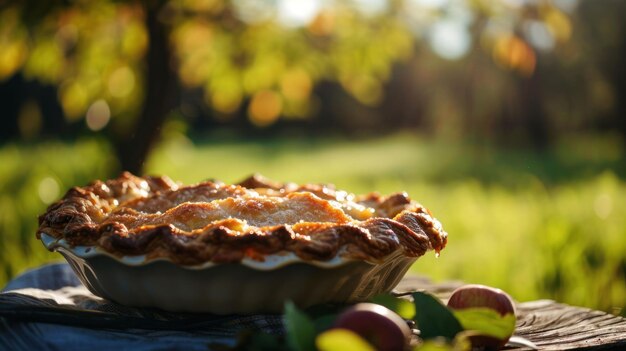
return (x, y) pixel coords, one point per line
(249, 286)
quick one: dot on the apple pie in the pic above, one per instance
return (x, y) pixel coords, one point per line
(221, 223)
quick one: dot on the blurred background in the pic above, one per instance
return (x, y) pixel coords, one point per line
(507, 118)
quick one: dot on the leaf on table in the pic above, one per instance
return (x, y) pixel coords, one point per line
(324, 315)
(324, 322)
(403, 307)
(433, 318)
(487, 321)
(300, 328)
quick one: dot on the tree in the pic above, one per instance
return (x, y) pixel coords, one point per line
(94, 50)
(120, 66)
(161, 87)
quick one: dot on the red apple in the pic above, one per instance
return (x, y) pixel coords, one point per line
(475, 295)
(380, 326)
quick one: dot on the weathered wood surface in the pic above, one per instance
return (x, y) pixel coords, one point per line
(548, 324)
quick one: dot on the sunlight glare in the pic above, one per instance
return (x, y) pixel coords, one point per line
(450, 39)
(297, 13)
(430, 3)
(568, 6)
(539, 35)
(371, 7)
(253, 11)
(514, 3)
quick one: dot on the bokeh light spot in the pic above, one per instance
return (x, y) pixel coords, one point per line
(12, 57)
(513, 53)
(559, 24)
(539, 35)
(225, 101)
(73, 98)
(603, 206)
(98, 115)
(265, 108)
(121, 82)
(323, 23)
(450, 40)
(253, 11)
(366, 89)
(48, 190)
(45, 62)
(297, 13)
(296, 85)
(430, 3)
(371, 7)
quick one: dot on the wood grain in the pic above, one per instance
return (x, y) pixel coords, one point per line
(555, 326)
(548, 324)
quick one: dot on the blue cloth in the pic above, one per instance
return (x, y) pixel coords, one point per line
(49, 309)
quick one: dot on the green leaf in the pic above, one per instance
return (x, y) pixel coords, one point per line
(487, 321)
(300, 329)
(433, 318)
(403, 307)
(324, 315)
(342, 339)
(324, 322)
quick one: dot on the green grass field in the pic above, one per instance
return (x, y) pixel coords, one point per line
(538, 225)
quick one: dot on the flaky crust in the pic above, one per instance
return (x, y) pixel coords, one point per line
(215, 222)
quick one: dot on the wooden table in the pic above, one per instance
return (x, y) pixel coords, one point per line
(548, 324)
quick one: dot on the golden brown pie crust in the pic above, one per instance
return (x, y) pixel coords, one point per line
(215, 222)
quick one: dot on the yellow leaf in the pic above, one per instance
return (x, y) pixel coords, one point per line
(342, 340)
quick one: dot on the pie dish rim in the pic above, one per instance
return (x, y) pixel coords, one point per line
(270, 262)
(305, 282)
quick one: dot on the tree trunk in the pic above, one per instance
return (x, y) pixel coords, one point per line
(160, 86)
(535, 119)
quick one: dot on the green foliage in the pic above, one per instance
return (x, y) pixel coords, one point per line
(487, 321)
(538, 225)
(535, 225)
(440, 327)
(235, 52)
(402, 307)
(433, 318)
(300, 329)
(31, 176)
